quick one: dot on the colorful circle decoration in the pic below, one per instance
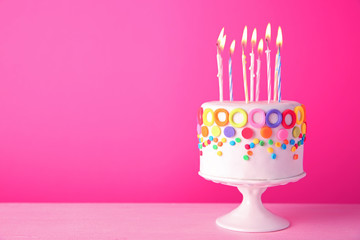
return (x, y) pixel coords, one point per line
(217, 120)
(251, 118)
(204, 131)
(244, 114)
(198, 128)
(215, 130)
(229, 132)
(205, 117)
(296, 132)
(266, 132)
(279, 118)
(247, 133)
(200, 116)
(303, 128)
(293, 118)
(282, 134)
(299, 109)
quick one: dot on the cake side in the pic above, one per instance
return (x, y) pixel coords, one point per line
(258, 141)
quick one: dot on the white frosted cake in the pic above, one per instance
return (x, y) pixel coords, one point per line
(253, 141)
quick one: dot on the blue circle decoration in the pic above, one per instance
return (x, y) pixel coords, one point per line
(279, 116)
(273, 156)
(292, 141)
(232, 143)
(229, 132)
(211, 138)
(252, 145)
(283, 146)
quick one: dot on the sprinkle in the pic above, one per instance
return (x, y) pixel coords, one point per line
(286, 141)
(262, 143)
(199, 140)
(198, 136)
(200, 153)
(270, 142)
(293, 149)
(208, 141)
(211, 138)
(247, 146)
(256, 141)
(250, 153)
(203, 145)
(202, 139)
(300, 136)
(246, 157)
(270, 149)
(296, 156)
(292, 141)
(223, 140)
(299, 143)
(252, 145)
(283, 146)
(238, 140)
(277, 144)
(199, 146)
(216, 140)
(273, 156)
(220, 144)
(215, 147)
(296, 146)
(219, 153)
(232, 143)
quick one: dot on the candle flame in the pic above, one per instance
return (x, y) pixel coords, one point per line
(221, 35)
(279, 38)
(232, 47)
(222, 43)
(268, 33)
(260, 46)
(244, 37)
(253, 38)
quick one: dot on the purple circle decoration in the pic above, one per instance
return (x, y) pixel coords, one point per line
(229, 132)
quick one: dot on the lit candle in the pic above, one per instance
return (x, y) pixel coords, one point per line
(243, 44)
(267, 39)
(220, 46)
(232, 48)
(279, 41)
(260, 50)
(252, 65)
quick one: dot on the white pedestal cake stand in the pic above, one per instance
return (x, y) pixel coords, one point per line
(251, 215)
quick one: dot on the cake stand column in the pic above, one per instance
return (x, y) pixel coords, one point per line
(251, 215)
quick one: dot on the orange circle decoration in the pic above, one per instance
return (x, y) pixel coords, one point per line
(266, 132)
(216, 116)
(204, 131)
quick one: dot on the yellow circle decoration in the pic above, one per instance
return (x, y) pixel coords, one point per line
(215, 130)
(231, 118)
(302, 114)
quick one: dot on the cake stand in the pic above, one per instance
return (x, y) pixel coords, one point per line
(251, 215)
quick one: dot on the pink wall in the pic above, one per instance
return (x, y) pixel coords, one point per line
(98, 99)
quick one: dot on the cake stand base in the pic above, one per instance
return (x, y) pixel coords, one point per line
(251, 215)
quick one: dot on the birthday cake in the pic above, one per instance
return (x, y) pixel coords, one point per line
(251, 139)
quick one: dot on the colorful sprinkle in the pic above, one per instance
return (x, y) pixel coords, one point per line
(223, 140)
(201, 153)
(296, 146)
(229, 132)
(199, 146)
(252, 145)
(266, 132)
(262, 143)
(270, 149)
(296, 156)
(250, 153)
(202, 139)
(286, 142)
(237, 140)
(219, 153)
(247, 133)
(232, 143)
(216, 131)
(246, 157)
(208, 142)
(211, 138)
(256, 141)
(204, 131)
(273, 156)
(292, 141)
(215, 147)
(283, 146)
(293, 149)
(270, 142)
(216, 140)
(277, 144)
(247, 146)
(220, 144)
(299, 143)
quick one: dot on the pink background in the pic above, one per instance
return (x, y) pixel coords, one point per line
(98, 99)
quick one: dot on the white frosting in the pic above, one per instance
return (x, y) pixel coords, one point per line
(260, 166)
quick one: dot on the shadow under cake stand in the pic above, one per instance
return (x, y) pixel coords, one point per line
(251, 215)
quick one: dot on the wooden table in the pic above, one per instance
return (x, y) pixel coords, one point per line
(168, 221)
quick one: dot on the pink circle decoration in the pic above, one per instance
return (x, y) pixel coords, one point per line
(251, 118)
(198, 129)
(247, 133)
(200, 115)
(282, 134)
